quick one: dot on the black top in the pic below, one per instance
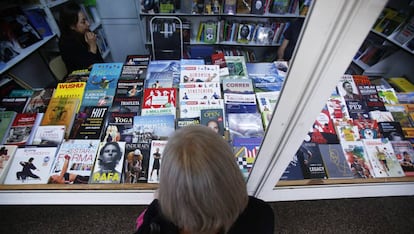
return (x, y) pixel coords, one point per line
(75, 52)
(292, 34)
(258, 217)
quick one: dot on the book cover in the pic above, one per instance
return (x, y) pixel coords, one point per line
(210, 32)
(214, 119)
(70, 90)
(387, 95)
(357, 109)
(74, 162)
(346, 130)
(310, 159)
(323, 129)
(357, 159)
(153, 127)
(37, 18)
(199, 73)
(159, 111)
(156, 154)
(31, 165)
(347, 88)
(337, 107)
(382, 157)
(101, 85)
(406, 32)
(229, 7)
(237, 66)
(370, 96)
(16, 104)
(166, 72)
(21, 93)
(109, 162)
(267, 101)
(137, 59)
(159, 98)
(133, 72)
(80, 75)
(266, 76)
(245, 125)
(240, 103)
(128, 96)
(199, 90)
(361, 80)
(22, 127)
(183, 122)
(405, 98)
(404, 152)
(220, 60)
(367, 128)
(6, 121)
(39, 101)
(240, 86)
(399, 113)
(279, 6)
(401, 84)
(245, 33)
(293, 171)
(61, 111)
(6, 156)
(258, 7)
(245, 151)
(335, 162)
(391, 130)
(381, 116)
(191, 108)
(52, 135)
(119, 127)
(89, 122)
(136, 163)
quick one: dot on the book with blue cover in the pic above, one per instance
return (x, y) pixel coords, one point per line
(165, 70)
(267, 76)
(152, 127)
(293, 171)
(245, 151)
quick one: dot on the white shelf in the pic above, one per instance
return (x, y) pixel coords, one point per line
(24, 53)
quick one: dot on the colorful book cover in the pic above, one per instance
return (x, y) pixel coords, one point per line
(199, 73)
(310, 159)
(191, 108)
(6, 156)
(387, 95)
(293, 171)
(199, 90)
(405, 98)
(391, 130)
(70, 90)
(31, 165)
(101, 85)
(382, 157)
(109, 163)
(370, 96)
(337, 107)
(381, 116)
(159, 98)
(357, 159)
(61, 111)
(404, 152)
(89, 122)
(367, 128)
(119, 127)
(401, 84)
(183, 122)
(128, 96)
(39, 101)
(17, 104)
(7, 118)
(21, 93)
(240, 103)
(237, 66)
(138, 59)
(155, 127)
(136, 163)
(399, 113)
(245, 125)
(214, 119)
(159, 111)
(265, 74)
(357, 109)
(335, 162)
(240, 86)
(74, 161)
(245, 151)
(220, 60)
(267, 101)
(346, 130)
(133, 72)
(323, 129)
(167, 71)
(156, 154)
(22, 127)
(348, 89)
(49, 135)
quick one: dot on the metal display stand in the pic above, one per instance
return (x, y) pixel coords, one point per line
(166, 37)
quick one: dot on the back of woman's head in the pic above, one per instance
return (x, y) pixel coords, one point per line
(201, 187)
(68, 16)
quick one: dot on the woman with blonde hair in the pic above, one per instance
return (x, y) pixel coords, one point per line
(202, 190)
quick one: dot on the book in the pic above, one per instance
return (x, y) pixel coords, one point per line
(155, 127)
(382, 157)
(405, 98)
(49, 135)
(229, 7)
(367, 128)
(267, 76)
(183, 122)
(237, 66)
(381, 116)
(136, 163)
(159, 98)
(346, 130)
(21, 129)
(335, 162)
(258, 7)
(357, 159)
(128, 96)
(214, 119)
(7, 118)
(109, 162)
(245, 33)
(70, 90)
(209, 32)
(16, 104)
(370, 96)
(101, 85)
(391, 130)
(245, 125)
(137, 59)
(245, 151)
(323, 129)
(357, 109)
(74, 161)
(38, 19)
(347, 88)
(239, 86)
(220, 60)
(166, 72)
(401, 84)
(199, 73)
(337, 107)
(80, 75)
(267, 101)
(21, 93)
(156, 154)
(400, 114)
(406, 32)
(240, 103)
(310, 159)
(119, 127)
(89, 122)
(387, 95)
(293, 171)
(199, 90)
(159, 111)
(404, 152)
(191, 108)
(39, 101)
(61, 111)
(6, 156)
(31, 165)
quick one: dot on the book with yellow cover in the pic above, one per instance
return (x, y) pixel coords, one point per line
(61, 111)
(70, 90)
(401, 84)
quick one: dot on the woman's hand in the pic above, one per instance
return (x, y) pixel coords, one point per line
(90, 38)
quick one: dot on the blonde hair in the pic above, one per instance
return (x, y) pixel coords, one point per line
(201, 187)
